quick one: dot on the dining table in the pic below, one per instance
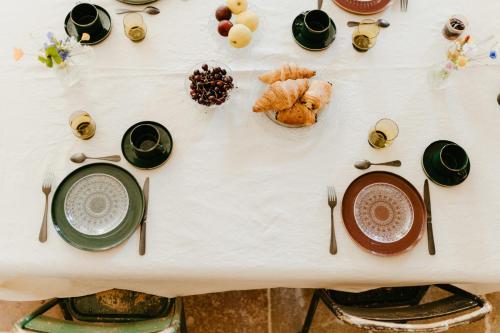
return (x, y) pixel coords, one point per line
(241, 202)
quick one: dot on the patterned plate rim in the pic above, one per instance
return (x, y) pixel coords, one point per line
(82, 179)
(394, 187)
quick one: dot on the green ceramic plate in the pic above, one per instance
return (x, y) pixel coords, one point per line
(432, 174)
(298, 26)
(132, 158)
(106, 23)
(96, 172)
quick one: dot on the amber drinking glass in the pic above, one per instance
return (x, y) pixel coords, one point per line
(82, 124)
(454, 27)
(383, 133)
(135, 28)
(365, 35)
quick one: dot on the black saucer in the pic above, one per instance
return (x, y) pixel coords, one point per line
(94, 39)
(435, 176)
(141, 163)
(298, 26)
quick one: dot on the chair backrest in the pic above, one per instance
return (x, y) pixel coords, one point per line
(376, 315)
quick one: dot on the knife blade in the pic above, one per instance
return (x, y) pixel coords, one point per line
(142, 241)
(430, 233)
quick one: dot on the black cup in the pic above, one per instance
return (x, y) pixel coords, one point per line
(145, 140)
(85, 18)
(317, 25)
(451, 161)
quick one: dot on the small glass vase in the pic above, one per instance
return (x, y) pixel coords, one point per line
(439, 76)
(69, 71)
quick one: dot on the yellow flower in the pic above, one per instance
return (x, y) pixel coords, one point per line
(18, 54)
(462, 61)
(85, 37)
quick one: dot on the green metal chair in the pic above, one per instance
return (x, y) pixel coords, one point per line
(113, 311)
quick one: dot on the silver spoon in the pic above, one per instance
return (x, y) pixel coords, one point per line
(320, 4)
(365, 164)
(380, 22)
(151, 10)
(80, 158)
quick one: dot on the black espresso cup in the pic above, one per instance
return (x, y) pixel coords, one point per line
(85, 18)
(451, 161)
(317, 25)
(145, 140)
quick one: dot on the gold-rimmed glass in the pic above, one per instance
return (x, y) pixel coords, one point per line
(82, 124)
(135, 28)
(383, 133)
(365, 35)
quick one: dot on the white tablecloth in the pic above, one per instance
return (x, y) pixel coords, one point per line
(241, 203)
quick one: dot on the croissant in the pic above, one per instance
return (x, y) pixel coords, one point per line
(318, 94)
(286, 72)
(281, 95)
(299, 114)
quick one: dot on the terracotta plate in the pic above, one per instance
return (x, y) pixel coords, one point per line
(383, 213)
(363, 7)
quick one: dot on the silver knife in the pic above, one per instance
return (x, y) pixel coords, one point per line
(430, 233)
(142, 241)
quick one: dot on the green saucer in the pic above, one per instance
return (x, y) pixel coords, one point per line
(141, 163)
(435, 176)
(94, 39)
(298, 26)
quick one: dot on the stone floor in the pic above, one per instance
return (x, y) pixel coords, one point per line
(256, 311)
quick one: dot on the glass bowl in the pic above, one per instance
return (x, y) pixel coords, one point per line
(211, 64)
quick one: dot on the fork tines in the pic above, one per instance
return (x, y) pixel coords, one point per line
(332, 196)
(404, 5)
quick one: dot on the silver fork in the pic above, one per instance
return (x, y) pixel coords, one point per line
(404, 5)
(46, 188)
(332, 202)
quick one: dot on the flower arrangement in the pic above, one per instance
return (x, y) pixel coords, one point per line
(462, 53)
(61, 54)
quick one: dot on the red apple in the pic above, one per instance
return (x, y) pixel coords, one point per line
(223, 13)
(224, 27)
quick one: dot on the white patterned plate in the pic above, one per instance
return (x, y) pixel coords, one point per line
(383, 212)
(96, 204)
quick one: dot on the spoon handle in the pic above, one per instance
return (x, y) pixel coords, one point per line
(391, 163)
(124, 11)
(320, 4)
(353, 23)
(112, 158)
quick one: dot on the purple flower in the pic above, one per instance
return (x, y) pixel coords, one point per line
(50, 36)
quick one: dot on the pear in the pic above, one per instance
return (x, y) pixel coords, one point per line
(237, 6)
(240, 36)
(249, 19)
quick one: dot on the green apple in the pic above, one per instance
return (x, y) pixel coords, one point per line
(249, 19)
(240, 36)
(237, 6)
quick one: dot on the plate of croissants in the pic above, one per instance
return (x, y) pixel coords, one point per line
(292, 98)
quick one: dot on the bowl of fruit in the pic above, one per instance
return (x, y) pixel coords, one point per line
(210, 84)
(235, 22)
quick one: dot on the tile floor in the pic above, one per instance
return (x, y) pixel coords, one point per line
(257, 311)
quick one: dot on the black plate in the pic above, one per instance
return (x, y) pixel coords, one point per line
(132, 158)
(435, 176)
(298, 26)
(106, 24)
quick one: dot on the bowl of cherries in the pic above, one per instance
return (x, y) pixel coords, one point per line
(210, 84)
